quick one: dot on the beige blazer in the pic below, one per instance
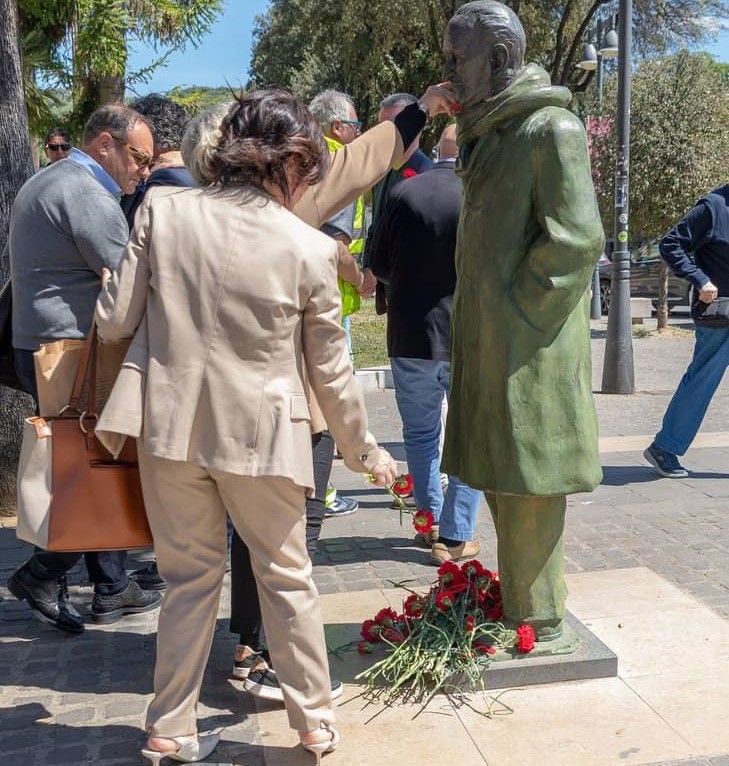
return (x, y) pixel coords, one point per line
(241, 302)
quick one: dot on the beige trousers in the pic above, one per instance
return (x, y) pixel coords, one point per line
(187, 506)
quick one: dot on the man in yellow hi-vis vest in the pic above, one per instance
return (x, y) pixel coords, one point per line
(337, 116)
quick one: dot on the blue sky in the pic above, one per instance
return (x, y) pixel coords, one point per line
(225, 53)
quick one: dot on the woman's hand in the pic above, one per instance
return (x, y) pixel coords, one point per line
(385, 472)
(105, 277)
(439, 99)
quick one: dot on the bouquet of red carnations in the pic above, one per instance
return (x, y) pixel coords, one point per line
(443, 640)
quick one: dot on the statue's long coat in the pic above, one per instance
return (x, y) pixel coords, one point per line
(522, 418)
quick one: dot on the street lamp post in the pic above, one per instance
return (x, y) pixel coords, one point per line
(618, 375)
(594, 59)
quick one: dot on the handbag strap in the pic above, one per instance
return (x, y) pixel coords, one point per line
(88, 357)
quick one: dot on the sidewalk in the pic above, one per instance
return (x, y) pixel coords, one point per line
(649, 570)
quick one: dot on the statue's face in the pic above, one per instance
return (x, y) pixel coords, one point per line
(467, 51)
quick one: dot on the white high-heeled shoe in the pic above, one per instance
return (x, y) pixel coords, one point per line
(189, 749)
(327, 746)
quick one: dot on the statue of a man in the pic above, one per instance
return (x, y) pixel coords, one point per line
(521, 424)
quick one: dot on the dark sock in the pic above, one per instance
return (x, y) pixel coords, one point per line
(449, 543)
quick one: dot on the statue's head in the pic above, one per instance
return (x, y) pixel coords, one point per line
(484, 48)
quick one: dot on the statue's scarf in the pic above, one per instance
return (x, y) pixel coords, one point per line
(530, 90)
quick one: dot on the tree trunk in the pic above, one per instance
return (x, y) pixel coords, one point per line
(111, 90)
(662, 305)
(17, 166)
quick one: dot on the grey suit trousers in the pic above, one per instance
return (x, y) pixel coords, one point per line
(187, 506)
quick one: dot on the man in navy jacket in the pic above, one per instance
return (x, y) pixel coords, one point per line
(697, 249)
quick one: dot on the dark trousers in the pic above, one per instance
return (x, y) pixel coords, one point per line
(107, 569)
(245, 609)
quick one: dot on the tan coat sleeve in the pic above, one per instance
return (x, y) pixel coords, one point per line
(354, 169)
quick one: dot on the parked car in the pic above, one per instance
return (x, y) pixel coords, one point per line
(644, 273)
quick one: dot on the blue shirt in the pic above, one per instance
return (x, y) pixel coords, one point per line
(88, 162)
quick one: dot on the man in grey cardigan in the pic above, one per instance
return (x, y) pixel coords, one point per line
(66, 225)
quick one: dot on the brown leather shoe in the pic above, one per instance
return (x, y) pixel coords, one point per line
(440, 552)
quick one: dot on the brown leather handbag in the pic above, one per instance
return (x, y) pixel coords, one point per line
(72, 494)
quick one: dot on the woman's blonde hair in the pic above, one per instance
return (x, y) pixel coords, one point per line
(200, 142)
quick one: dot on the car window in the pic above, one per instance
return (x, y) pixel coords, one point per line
(648, 251)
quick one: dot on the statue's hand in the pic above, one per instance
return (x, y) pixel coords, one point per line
(439, 99)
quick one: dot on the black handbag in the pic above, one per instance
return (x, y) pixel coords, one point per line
(714, 314)
(8, 376)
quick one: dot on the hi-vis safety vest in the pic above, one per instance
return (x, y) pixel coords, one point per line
(350, 296)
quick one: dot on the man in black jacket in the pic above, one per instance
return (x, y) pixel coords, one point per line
(704, 234)
(413, 250)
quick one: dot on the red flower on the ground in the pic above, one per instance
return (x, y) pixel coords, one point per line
(423, 521)
(409, 173)
(365, 647)
(484, 648)
(525, 638)
(393, 636)
(445, 600)
(448, 571)
(470, 623)
(370, 631)
(403, 485)
(386, 617)
(472, 568)
(495, 613)
(413, 605)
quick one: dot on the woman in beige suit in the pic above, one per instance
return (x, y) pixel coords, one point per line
(242, 308)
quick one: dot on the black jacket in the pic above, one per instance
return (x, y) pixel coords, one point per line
(413, 251)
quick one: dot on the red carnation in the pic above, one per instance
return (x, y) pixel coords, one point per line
(409, 173)
(470, 623)
(413, 605)
(525, 638)
(445, 600)
(403, 485)
(484, 648)
(365, 647)
(423, 521)
(472, 568)
(393, 636)
(386, 617)
(448, 571)
(371, 631)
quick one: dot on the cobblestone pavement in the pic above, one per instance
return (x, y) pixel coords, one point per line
(78, 700)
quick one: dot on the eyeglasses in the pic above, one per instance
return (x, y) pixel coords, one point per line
(58, 147)
(142, 158)
(356, 124)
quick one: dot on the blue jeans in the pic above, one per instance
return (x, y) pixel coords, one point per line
(420, 385)
(694, 393)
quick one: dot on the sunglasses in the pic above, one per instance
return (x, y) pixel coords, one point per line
(356, 124)
(58, 147)
(142, 158)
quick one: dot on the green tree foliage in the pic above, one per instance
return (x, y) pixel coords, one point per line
(679, 147)
(197, 98)
(83, 44)
(374, 48)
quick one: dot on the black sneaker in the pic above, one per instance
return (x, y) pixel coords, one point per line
(342, 506)
(132, 600)
(264, 685)
(666, 463)
(47, 598)
(149, 578)
(246, 660)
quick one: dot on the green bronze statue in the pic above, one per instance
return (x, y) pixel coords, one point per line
(522, 424)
